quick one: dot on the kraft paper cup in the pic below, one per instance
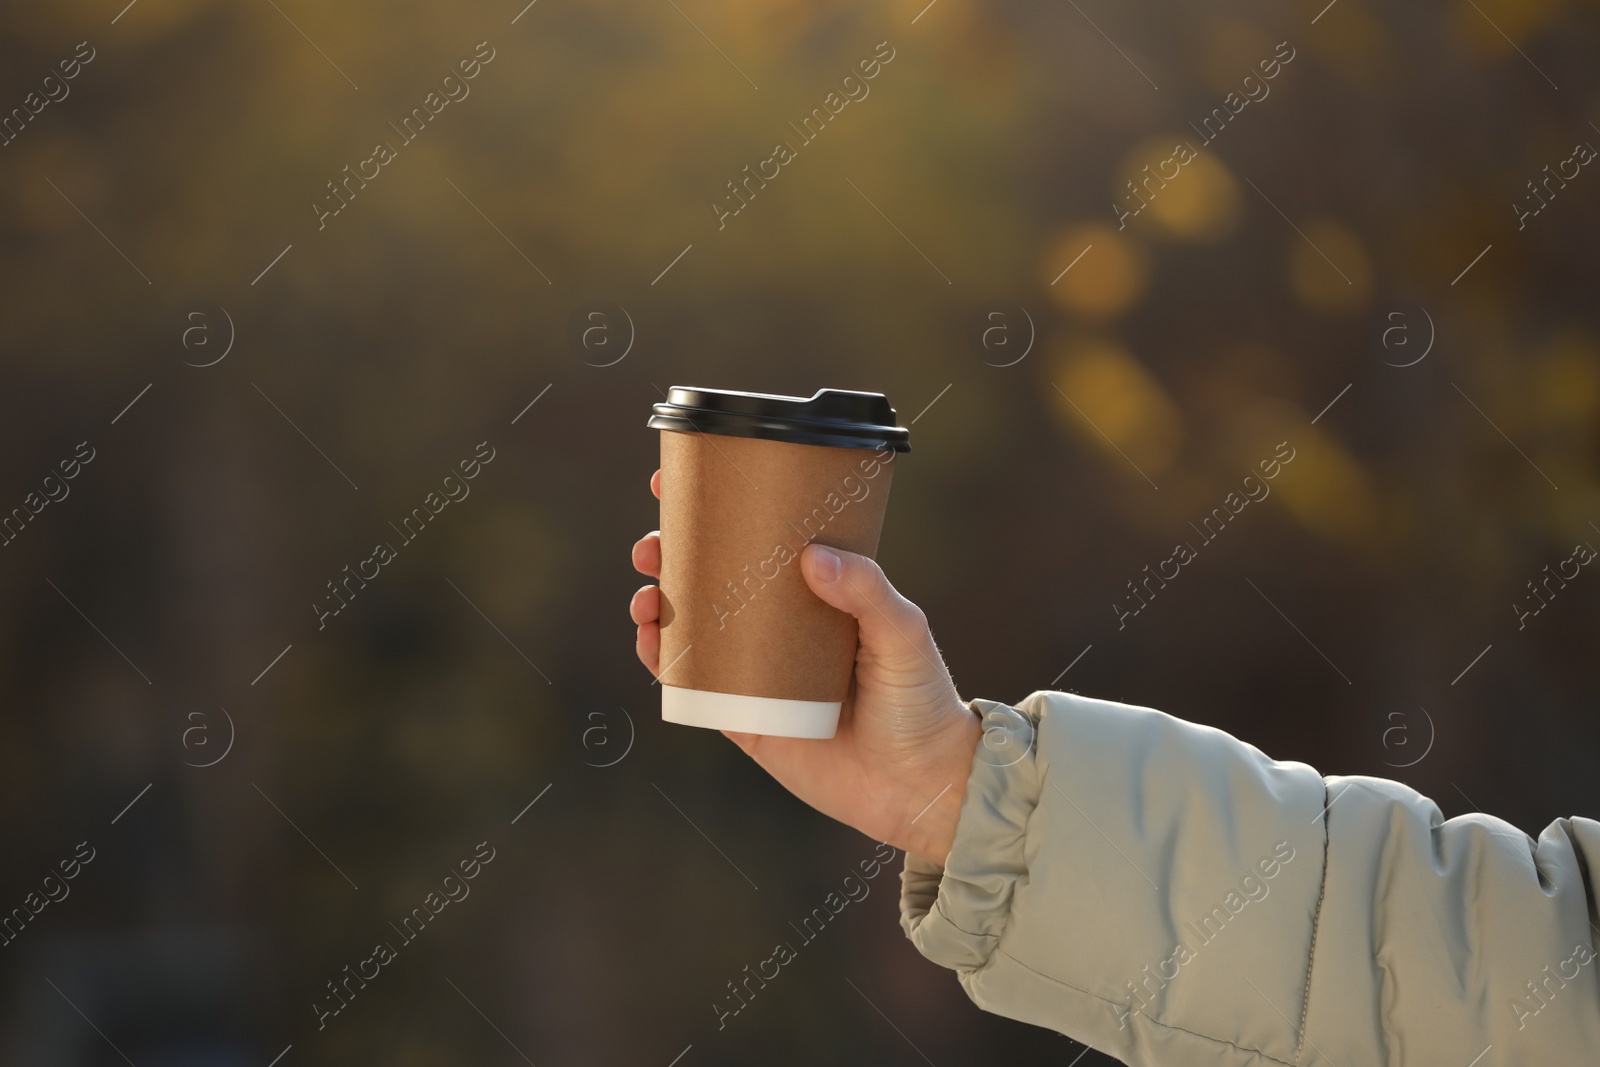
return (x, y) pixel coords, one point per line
(747, 481)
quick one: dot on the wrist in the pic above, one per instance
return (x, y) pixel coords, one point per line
(932, 828)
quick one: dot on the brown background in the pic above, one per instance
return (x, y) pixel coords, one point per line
(1176, 353)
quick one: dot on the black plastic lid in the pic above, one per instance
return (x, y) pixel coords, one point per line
(835, 418)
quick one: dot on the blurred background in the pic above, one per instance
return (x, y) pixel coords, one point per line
(264, 389)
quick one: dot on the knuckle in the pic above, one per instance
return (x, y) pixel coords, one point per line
(878, 581)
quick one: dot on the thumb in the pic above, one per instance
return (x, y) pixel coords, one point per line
(853, 583)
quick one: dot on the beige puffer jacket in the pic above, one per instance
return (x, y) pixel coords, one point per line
(1172, 897)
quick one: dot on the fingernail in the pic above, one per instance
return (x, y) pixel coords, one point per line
(827, 563)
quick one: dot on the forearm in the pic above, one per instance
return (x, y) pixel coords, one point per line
(1169, 894)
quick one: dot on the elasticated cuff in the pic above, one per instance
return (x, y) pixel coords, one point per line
(955, 914)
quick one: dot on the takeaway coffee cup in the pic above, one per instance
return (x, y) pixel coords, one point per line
(747, 481)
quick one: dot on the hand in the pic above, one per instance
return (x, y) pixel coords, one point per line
(897, 768)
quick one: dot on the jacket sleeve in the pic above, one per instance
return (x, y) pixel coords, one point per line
(1169, 895)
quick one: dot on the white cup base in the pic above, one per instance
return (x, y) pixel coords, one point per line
(771, 716)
